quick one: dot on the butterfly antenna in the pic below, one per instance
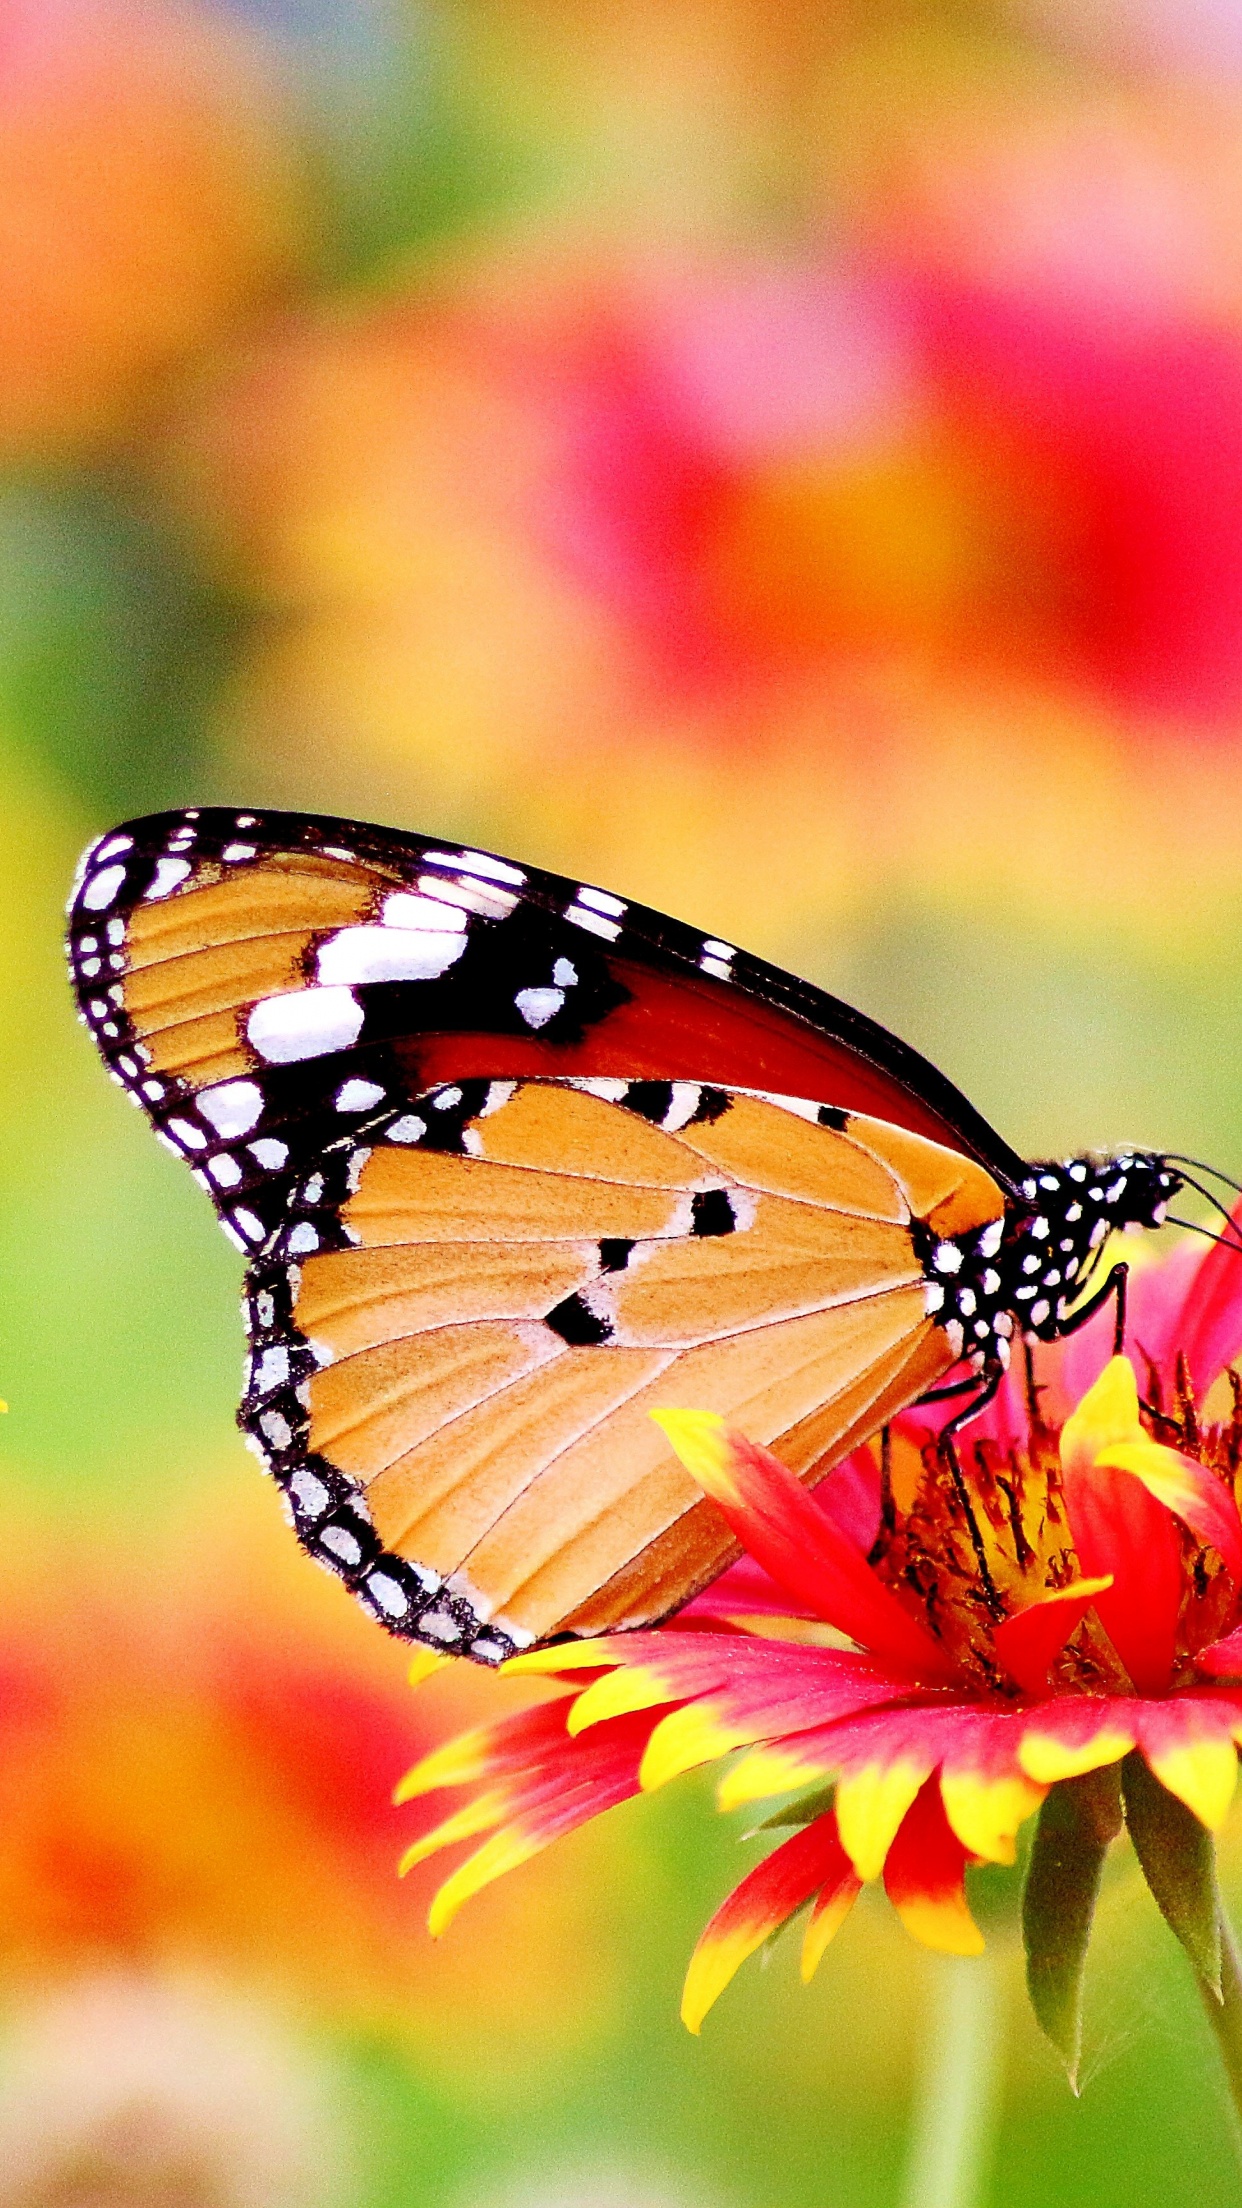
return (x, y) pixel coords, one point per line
(1174, 1157)
(1213, 1200)
(1225, 1241)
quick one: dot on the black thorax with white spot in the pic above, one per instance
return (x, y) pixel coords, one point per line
(1026, 1272)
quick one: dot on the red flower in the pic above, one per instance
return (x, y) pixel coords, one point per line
(932, 1653)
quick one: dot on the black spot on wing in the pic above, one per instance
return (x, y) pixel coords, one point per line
(711, 1212)
(576, 1323)
(652, 1100)
(712, 1104)
(614, 1254)
(830, 1115)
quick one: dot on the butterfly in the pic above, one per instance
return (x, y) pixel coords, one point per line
(514, 1161)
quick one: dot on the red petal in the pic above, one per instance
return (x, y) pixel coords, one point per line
(851, 1497)
(744, 1591)
(1196, 1496)
(1224, 1658)
(812, 1860)
(1119, 1528)
(925, 1878)
(1027, 1642)
(1209, 1323)
(784, 1528)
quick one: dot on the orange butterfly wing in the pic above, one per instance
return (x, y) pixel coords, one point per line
(485, 1137)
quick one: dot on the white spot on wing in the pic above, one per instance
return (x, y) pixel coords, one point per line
(168, 872)
(112, 849)
(606, 1086)
(476, 862)
(343, 1544)
(497, 1097)
(187, 1133)
(224, 1170)
(686, 1095)
(358, 1096)
(406, 910)
(389, 1594)
(408, 1129)
(439, 1627)
(390, 953)
(269, 1153)
(271, 1370)
(538, 1006)
(232, 1106)
(486, 898)
(593, 922)
(564, 973)
(311, 1494)
(305, 1023)
(601, 900)
(102, 887)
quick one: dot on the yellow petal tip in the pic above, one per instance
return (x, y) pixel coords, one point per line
(700, 1442)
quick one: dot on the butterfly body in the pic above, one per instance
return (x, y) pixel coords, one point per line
(514, 1162)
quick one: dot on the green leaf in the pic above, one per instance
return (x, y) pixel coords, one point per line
(1178, 1859)
(1077, 1825)
(802, 1812)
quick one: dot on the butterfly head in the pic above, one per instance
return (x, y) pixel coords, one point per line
(1119, 1188)
(1139, 1187)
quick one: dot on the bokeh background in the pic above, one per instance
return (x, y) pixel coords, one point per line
(784, 462)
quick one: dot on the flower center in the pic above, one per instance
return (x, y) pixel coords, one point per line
(975, 1550)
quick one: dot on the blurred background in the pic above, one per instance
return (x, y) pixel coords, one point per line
(783, 462)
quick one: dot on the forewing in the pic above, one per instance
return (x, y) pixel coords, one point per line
(210, 947)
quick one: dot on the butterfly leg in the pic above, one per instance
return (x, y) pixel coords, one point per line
(946, 1395)
(982, 1390)
(1115, 1285)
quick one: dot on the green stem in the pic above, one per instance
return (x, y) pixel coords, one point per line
(1225, 2016)
(955, 2114)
